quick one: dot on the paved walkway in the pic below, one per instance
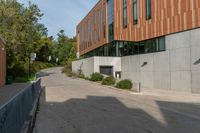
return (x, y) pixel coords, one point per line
(9, 91)
(78, 106)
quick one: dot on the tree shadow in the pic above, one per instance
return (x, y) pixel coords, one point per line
(97, 114)
(43, 74)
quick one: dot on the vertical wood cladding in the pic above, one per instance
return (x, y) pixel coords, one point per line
(167, 17)
(2, 63)
(82, 34)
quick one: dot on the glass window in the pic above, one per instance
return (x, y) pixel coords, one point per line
(161, 42)
(135, 13)
(124, 48)
(124, 13)
(110, 20)
(104, 20)
(99, 25)
(148, 9)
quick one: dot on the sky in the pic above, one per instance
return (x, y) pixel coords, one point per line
(62, 14)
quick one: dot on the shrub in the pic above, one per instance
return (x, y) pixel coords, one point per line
(109, 81)
(71, 74)
(125, 84)
(96, 77)
(82, 76)
(68, 70)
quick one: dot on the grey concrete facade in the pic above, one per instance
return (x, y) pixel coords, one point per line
(92, 65)
(176, 69)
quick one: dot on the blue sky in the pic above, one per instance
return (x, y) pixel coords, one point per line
(62, 14)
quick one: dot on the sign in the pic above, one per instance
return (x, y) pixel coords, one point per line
(33, 56)
(49, 58)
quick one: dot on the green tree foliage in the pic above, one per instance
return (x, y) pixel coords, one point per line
(64, 49)
(22, 33)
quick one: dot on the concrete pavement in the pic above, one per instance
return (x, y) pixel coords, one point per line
(70, 105)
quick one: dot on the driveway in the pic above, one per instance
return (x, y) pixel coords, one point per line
(70, 105)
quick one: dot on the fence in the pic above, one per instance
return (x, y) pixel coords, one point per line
(15, 112)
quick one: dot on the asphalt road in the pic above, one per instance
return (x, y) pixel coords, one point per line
(77, 106)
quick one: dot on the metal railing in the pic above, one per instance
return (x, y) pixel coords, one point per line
(14, 113)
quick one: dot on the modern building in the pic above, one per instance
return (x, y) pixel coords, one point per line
(2, 63)
(152, 42)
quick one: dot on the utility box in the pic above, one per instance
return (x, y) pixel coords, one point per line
(2, 63)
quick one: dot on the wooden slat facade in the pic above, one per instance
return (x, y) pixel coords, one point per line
(2, 63)
(167, 17)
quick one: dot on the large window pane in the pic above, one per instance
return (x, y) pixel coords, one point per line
(124, 13)
(135, 13)
(161, 42)
(148, 9)
(110, 20)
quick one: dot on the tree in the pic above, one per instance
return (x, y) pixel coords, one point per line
(64, 48)
(22, 33)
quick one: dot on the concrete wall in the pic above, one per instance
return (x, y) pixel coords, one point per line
(177, 68)
(91, 65)
(86, 66)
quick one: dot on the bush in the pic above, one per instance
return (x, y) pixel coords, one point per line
(68, 70)
(125, 84)
(71, 74)
(37, 66)
(96, 77)
(109, 81)
(25, 78)
(82, 76)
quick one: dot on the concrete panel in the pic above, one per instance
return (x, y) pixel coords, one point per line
(149, 59)
(133, 76)
(195, 59)
(147, 79)
(162, 80)
(131, 63)
(86, 65)
(196, 82)
(180, 59)
(195, 37)
(178, 40)
(181, 81)
(161, 62)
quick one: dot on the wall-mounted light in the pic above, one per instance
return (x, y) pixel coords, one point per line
(197, 62)
(144, 64)
(2, 49)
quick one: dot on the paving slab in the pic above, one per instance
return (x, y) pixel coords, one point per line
(69, 105)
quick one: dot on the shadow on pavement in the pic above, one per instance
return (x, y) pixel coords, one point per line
(97, 114)
(43, 74)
